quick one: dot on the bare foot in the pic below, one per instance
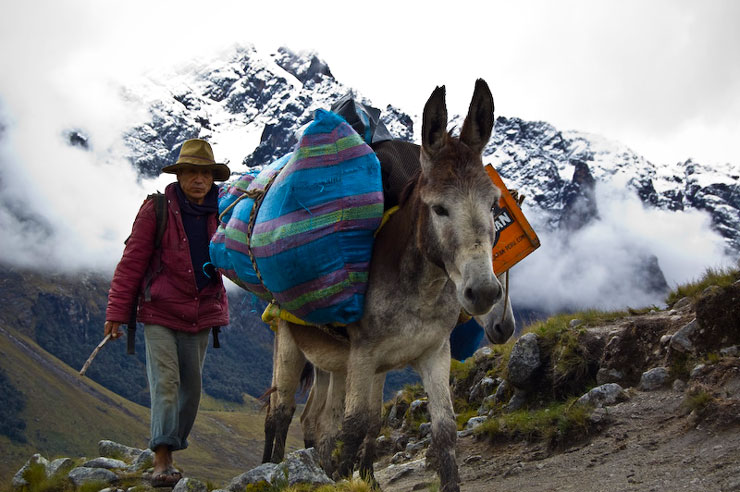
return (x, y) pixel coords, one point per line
(162, 459)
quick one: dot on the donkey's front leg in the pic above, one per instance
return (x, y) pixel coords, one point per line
(358, 406)
(434, 368)
(367, 453)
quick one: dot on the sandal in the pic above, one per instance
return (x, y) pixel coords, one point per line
(167, 478)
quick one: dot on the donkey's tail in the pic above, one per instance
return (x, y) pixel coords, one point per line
(306, 378)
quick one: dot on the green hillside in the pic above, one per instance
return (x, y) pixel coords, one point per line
(58, 413)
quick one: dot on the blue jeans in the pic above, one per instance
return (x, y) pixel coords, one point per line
(174, 363)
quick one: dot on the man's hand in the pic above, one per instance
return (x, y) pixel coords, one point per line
(113, 328)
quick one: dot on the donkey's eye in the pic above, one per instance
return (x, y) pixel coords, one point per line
(440, 210)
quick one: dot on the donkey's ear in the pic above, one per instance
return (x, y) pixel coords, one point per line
(434, 122)
(478, 123)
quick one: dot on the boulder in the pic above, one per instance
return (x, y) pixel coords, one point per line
(143, 461)
(524, 361)
(19, 480)
(482, 388)
(301, 466)
(654, 379)
(681, 340)
(110, 449)
(60, 466)
(190, 485)
(107, 463)
(266, 472)
(604, 396)
(475, 422)
(82, 475)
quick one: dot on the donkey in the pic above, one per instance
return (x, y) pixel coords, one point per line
(431, 258)
(324, 408)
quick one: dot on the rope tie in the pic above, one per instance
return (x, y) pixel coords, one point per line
(258, 196)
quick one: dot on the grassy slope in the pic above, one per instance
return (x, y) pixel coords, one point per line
(67, 415)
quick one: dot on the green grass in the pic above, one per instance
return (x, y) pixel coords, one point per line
(353, 485)
(698, 399)
(558, 422)
(461, 370)
(720, 276)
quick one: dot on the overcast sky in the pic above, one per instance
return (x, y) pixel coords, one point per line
(662, 77)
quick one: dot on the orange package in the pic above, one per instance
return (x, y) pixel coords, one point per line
(515, 238)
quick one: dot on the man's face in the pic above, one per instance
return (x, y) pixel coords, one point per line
(195, 182)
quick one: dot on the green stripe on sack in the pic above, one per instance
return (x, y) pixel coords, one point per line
(343, 143)
(317, 222)
(315, 295)
(235, 235)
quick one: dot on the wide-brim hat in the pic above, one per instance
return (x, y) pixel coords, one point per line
(198, 153)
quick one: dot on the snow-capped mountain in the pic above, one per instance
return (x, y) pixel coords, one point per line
(250, 106)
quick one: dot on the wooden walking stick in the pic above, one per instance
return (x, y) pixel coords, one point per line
(94, 353)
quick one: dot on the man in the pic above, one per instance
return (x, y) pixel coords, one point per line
(179, 301)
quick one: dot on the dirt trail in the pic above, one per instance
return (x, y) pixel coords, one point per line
(650, 445)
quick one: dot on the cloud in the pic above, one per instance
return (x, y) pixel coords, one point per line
(603, 265)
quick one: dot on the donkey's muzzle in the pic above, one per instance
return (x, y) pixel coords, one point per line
(479, 297)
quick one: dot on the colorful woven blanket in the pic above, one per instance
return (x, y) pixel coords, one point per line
(313, 233)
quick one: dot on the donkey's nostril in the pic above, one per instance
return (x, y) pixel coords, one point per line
(470, 294)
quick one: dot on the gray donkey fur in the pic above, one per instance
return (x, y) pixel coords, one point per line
(431, 258)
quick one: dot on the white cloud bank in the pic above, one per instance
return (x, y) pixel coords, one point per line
(602, 265)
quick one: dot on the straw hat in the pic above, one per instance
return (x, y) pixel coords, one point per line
(198, 153)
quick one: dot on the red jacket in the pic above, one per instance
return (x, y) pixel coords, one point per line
(171, 299)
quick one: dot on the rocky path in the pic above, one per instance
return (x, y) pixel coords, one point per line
(651, 444)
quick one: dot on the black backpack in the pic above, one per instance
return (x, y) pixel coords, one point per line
(160, 212)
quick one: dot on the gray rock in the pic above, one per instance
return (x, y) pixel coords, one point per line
(517, 401)
(59, 466)
(500, 395)
(524, 361)
(682, 303)
(654, 379)
(18, 480)
(475, 422)
(679, 386)
(488, 402)
(143, 461)
(107, 463)
(464, 433)
(482, 388)
(190, 485)
(83, 474)
(425, 429)
(730, 351)
(574, 323)
(697, 370)
(598, 416)
(604, 396)
(482, 353)
(399, 457)
(110, 449)
(413, 447)
(418, 406)
(608, 375)
(266, 472)
(303, 467)
(681, 341)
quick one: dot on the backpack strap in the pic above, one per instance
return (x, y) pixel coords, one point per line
(160, 214)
